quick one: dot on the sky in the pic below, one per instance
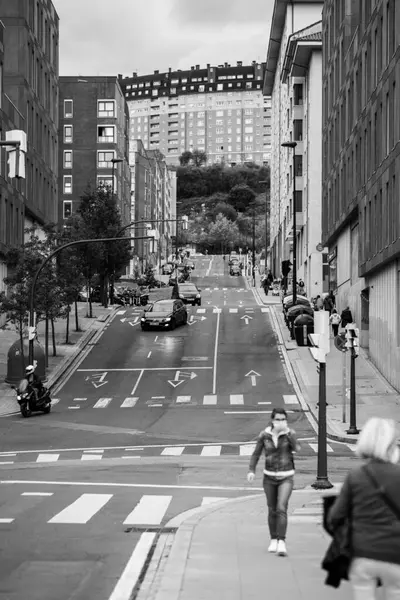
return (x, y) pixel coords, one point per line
(103, 37)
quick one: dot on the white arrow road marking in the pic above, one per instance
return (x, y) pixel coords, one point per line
(123, 320)
(191, 318)
(253, 375)
(97, 385)
(175, 383)
(246, 318)
(100, 379)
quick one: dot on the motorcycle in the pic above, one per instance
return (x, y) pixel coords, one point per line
(30, 402)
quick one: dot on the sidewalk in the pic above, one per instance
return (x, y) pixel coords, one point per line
(221, 552)
(374, 395)
(66, 353)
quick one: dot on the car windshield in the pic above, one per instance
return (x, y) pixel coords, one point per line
(167, 307)
(188, 288)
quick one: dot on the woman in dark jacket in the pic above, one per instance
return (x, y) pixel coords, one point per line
(279, 444)
(370, 501)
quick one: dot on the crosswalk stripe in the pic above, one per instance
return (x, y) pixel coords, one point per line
(246, 449)
(352, 447)
(3, 520)
(315, 447)
(211, 500)
(210, 399)
(37, 493)
(121, 312)
(290, 399)
(201, 311)
(91, 456)
(55, 401)
(82, 510)
(236, 399)
(183, 399)
(80, 399)
(233, 310)
(211, 451)
(265, 310)
(47, 458)
(173, 451)
(129, 402)
(149, 511)
(102, 402)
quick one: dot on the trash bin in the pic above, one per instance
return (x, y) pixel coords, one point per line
(303, 325)
(16, 364)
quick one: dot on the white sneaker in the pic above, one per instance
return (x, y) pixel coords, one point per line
(281, 549)
(273, 546)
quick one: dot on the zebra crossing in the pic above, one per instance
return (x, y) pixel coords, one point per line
(209, 310)
(308, 448)
(146, 510)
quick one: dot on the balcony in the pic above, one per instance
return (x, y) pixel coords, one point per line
(299, 226)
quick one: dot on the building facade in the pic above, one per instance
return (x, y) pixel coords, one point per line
(93, 142)
(153, 203)
(218, 110)
(361, 165)
(30, 73)
(293, 79)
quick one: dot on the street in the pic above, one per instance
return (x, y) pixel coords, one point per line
(150, 424)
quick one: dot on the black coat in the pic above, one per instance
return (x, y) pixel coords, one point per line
(338, 556)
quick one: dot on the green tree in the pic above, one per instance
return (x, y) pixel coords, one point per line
(222, 232)
(241, 196)
(199, 158)
(185, 158)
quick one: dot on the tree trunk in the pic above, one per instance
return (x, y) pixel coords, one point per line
(105, 291)
(46, 342)
(53, 335)
(76, 316)
(21, 339)
(67, 326)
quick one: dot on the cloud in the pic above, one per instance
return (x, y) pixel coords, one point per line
(158, 34)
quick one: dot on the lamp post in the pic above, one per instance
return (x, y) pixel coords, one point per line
(266, 225)
(293, 145)
(114, 161)
(253, 250)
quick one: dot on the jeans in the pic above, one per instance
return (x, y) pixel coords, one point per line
(364, 573)
(335, 329)
(278, 492)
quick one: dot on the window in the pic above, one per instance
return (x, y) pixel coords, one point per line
(68, 109)
(67, 184)
(67, 209)
(298, 93)
(248, 130)
(105, 134)
(220, 113)
(298, 129)
(67, 159)
(104, 159)
(104, 180)
(219, 122)
(68, 131)
(106, 108)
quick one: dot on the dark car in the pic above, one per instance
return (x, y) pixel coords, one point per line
(235, 270)
(167, 269)
(166, 314)
(188, 293)
(189, 264)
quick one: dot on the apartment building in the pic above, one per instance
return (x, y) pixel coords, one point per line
(30, 77)
(153, 203)
(219, 110)
(93, 142)
(360, 169)
(293, 79)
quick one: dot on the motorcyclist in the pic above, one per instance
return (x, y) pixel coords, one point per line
(33, 380)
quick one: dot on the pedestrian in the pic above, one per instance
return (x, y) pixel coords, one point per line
(332, 297)
(369, 504)
(334, 320)
(346, 317)
(327, 302)
(279, 445)
(265, 284)
(319, 305)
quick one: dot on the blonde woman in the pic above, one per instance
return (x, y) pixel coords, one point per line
(370, 501)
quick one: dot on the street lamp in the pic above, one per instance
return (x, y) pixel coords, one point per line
(266, 224)
(114, 161)
(293, 145)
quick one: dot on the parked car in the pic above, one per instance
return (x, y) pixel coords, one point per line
(166, 314)
(188, 293)
(189, 264)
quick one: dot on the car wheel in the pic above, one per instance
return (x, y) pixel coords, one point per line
(143, 327)
(47, 409)
(173, 324)
(199, 303)
(185, 319)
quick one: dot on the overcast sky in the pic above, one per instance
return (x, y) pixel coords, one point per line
(103, 37)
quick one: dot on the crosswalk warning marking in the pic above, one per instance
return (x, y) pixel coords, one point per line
(173, 451)
(211, 500)
(211, 451)
(129, 402)
(47, 458)
(246, 449)
(183, 399)
(290, 399)
(149, 511)
(236, 399)
(201, 311)
(210, 399)
(82, 510)
(233, 310)
(315, 447)
(91, 456)
(102, 402)
(4, 520)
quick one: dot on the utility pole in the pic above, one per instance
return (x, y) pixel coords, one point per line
(253, 256)
(352, 342)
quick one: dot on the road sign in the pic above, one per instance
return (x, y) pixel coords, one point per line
(320, 247)
(340, 342)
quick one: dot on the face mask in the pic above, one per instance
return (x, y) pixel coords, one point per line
(395, 455)
(280, 425)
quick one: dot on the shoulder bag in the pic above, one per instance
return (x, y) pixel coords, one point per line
(381, 490)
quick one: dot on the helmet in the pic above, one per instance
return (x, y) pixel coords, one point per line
(29, 370)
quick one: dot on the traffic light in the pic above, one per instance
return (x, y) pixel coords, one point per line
(16, 153)
(286, 264)
(185, 220)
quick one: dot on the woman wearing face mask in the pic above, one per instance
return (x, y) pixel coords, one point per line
(279, 444)
(369, 502)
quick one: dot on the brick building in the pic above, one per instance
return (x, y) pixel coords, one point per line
(360, 169)
(219, 109)
(93, 141)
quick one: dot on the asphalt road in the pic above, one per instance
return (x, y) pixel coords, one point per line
(150, 425)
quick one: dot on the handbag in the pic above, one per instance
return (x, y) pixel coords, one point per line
(381, 490)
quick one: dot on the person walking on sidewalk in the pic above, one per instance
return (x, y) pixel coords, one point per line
(346, 317)
(369, 503)
(334, 320)
(279, 445)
